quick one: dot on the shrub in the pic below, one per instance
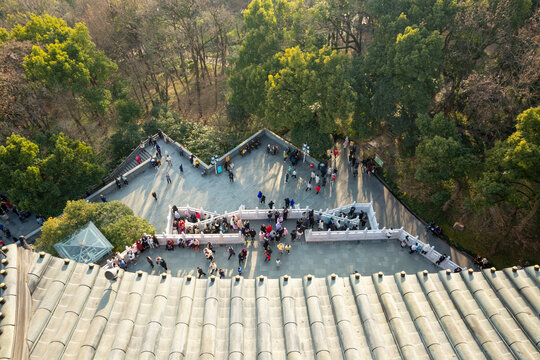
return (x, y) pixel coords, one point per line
(114, 219)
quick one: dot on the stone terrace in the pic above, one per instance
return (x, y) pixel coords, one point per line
(261, 171)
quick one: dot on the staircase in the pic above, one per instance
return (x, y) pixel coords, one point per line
(128, 164)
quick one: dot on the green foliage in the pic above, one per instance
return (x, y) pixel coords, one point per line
(309, 92)
(204, 141)
(125, 140)
(251, 67)
(442, 156)
(68, 60)
(513, 165)
(42, 181)
(114, 219)
(43, 29)
(128, 110)
(150, 127)
(270, 26)
(417, 61)
(125, 230)
(4, 35)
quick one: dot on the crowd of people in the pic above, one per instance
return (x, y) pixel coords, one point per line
(273, 235)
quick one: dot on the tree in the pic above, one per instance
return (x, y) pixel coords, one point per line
(71, 63)
(128, 110)
(513, 167)
(251, 68)
(44, 29)
(4, 35)
(309, 92)
(444, 160)
(417, 61)
(114, 219)
(125, 140)
(42, 181)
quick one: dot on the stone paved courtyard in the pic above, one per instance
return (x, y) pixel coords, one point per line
(319, 259)
(261, 171)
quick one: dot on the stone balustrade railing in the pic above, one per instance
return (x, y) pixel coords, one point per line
(384, 234)
(261, 214)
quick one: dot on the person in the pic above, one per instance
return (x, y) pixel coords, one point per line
(280, 247)
(318, 188)
(292, 203)
(181, 168)
(131, 257)
(124, 179)
(118, 183)
(240, 258)
(263, 199)
(413, 248)
(162, 262)
(200, 272)
(287, 202)
(138, 159)
(259, 195)
(287, 178)
(278, 263)
(441, 259)
(122, 264)
(154, 195)
(308, 187)
(213, 267)
(288, 249)
(294, 173)
(221, 273)
(317, 179)
(231, 176)
(103, 198)
(239, 270)
(231, 252)
(346, 142)
(168, 159)
(271, 204)
(168, 177)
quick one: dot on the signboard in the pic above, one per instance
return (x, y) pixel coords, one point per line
(378, 160)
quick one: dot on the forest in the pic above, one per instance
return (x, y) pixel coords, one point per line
(444, 91)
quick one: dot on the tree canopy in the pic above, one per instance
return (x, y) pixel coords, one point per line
(309, 91)
(42, 180)
(67, 59)
(114, 219)
(439, 87)
(513, 166)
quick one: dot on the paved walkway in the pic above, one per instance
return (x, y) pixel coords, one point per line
(366, 257)
(18, 227)
(259, 171)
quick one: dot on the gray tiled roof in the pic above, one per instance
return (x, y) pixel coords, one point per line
(74, 312)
